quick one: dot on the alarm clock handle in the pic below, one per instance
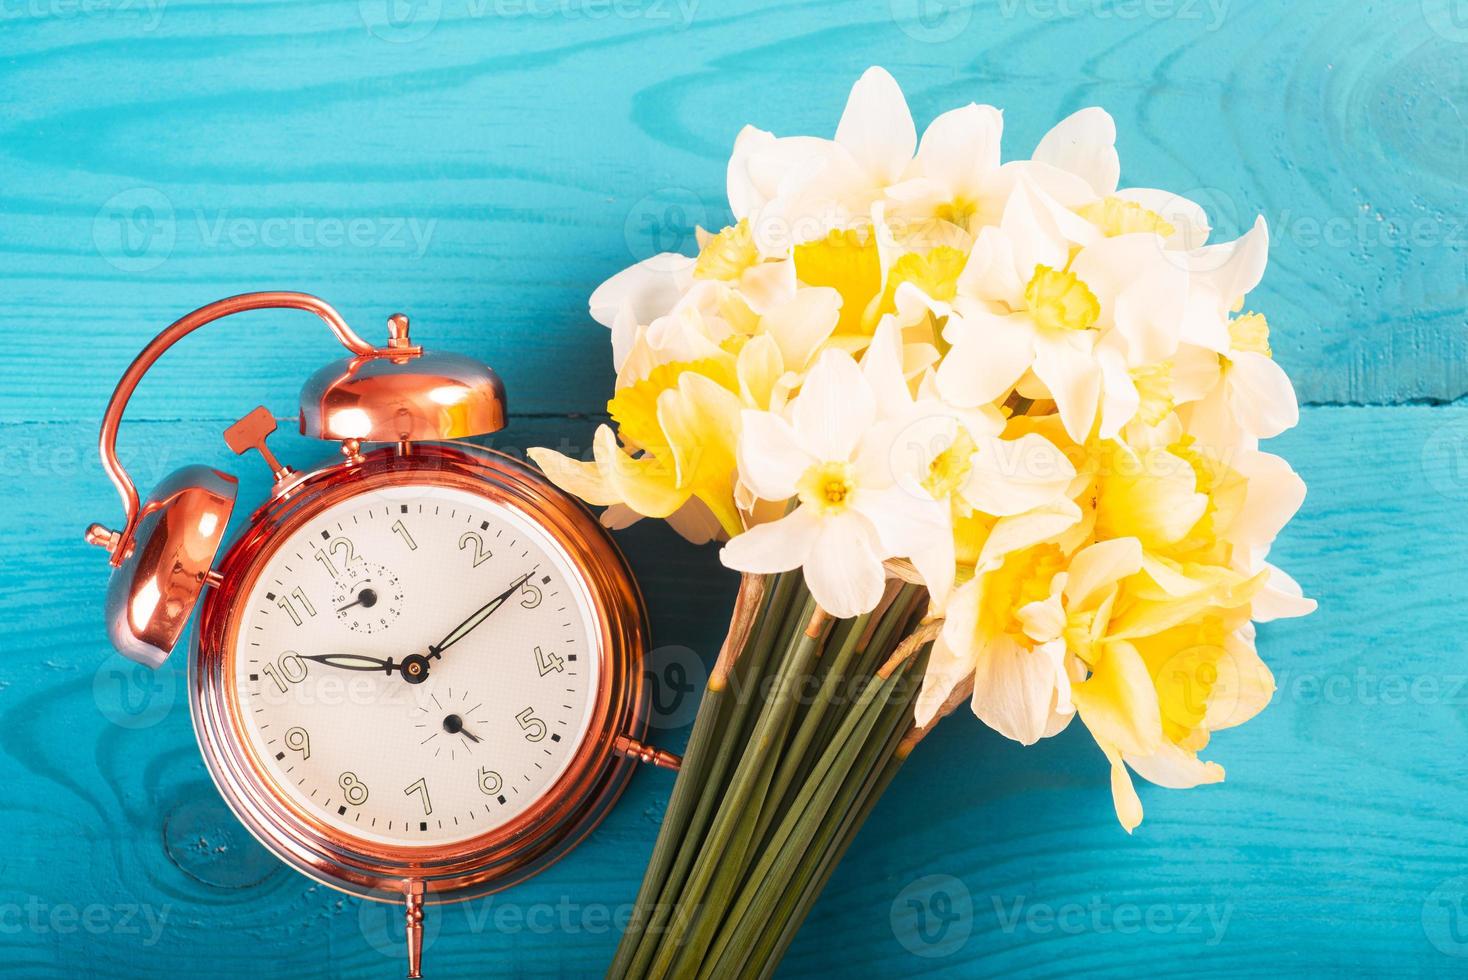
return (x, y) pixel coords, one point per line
(116, 541)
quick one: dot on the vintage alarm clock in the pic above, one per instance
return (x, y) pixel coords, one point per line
(416, 674)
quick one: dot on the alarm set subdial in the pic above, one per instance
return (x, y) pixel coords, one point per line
(367, 597)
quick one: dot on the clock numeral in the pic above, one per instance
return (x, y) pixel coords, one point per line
(401, 530)
(481, 553)
(289, 669)
(285, 603)
(344, 545)
(297, 740)
(533, 727)
(354, 788)
(531, 595)
(548, 662)
(421, 786)
(490, 782)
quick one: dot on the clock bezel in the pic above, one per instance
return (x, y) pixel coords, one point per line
(565, 812)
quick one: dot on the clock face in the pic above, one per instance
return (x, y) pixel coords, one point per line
(416, 665)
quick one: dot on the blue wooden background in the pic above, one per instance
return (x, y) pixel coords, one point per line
(483, 164)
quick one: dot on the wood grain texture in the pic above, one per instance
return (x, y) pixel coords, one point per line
(482, 164)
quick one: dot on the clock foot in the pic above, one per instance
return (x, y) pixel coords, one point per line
(414, 918)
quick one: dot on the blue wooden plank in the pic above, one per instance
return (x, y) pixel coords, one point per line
(487, 174)
(1332, 847)
(502, 157)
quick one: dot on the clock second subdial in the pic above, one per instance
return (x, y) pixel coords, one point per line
(367, 598)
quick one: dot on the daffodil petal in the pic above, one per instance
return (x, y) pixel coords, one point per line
(844, 570)
(647, 483)
(989, 355)
(774, 547)
(646, 290)
(1014, 688)
(877, 128)
(1084, 144)
(1175, 768)
(801, 325)
(1011, 476)
(580, 479)
(1098, 568)
(1118, 702)
(947, 668)
(771, 456)
(961, 146)
(1261, 395)
(835, 407)
(1074, 380)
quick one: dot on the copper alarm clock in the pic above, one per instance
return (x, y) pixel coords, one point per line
(416, 671)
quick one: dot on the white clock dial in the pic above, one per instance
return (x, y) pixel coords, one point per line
(351, 611)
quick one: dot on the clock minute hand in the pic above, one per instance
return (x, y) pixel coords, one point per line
(476, 617)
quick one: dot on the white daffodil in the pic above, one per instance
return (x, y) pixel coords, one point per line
(796, 190)
(1247, 396)
(1027, 632)
(954, 184)
(851, 515)
(1044, 292)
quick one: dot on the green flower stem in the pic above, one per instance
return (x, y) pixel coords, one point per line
(891, 627)
(810, 722)
(700, 777)
(805, 898)
(821, 859)
(740, 804)
(802, 822)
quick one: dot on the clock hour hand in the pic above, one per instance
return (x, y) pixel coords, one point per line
(414, 668)
(476, 617)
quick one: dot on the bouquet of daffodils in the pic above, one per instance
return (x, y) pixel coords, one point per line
(977, 432)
